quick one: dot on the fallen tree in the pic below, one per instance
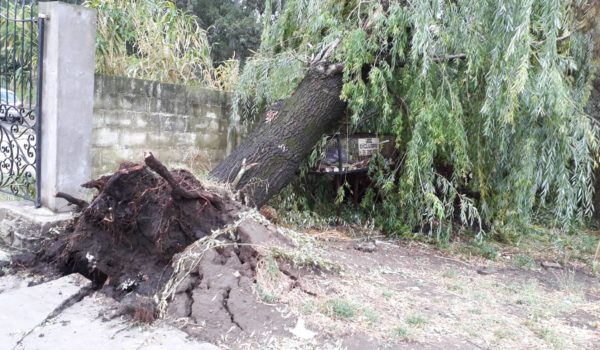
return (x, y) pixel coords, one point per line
(163, 233)
(479, 87)
(354, 67)
(268, 158)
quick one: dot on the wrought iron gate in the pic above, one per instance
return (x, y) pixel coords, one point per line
(21, 61)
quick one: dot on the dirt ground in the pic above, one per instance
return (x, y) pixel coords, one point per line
(386, 294)
(332, 290)
(165, 245)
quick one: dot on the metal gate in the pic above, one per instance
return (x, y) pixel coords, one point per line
(21, 61)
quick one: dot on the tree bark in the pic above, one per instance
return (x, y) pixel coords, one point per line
(267, 160)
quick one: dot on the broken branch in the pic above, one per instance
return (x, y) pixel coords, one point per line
(177, 191)
(80, 203)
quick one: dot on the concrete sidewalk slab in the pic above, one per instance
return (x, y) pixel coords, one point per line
(23, 309)
(81, 327)
(16, 281)
(21, 224)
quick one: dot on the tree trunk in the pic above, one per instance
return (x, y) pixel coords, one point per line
(267, 160)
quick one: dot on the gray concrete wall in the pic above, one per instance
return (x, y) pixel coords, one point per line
(182, 126)
(68, 93)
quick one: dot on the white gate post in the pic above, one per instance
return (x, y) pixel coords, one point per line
(68, 101)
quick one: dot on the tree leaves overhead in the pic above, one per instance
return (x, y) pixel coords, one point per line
(153, 40)
(507, 120)
(18, 48)
(233, 25)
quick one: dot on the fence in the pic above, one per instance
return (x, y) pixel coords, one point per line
(52, 54)
(21, 62)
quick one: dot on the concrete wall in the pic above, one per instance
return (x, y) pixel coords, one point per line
(66, 111)
(180, 125)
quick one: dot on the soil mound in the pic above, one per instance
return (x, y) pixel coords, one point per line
(162, 235)
(126, 236)
(218, 292)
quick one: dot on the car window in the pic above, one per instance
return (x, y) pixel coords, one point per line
(7, 96)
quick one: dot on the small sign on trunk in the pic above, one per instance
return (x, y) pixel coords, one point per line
(368, 146)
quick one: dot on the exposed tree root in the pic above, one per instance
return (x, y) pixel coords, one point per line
(187, 251)
(126, 236)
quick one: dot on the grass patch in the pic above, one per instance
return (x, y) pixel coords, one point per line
(301, 258)
(485, 249)
(475, 311)
(479, 295)
(266, 296)
(416, 320)
(371, 316)
(450, 273)
(272, 266)
(308, 308)
(578, 245)
(400, 333)
(387, 294)
(566, 281)
(528, 294)
(546, 334)
(500, 334)
(475, 247)
(524, 261)
(340, 309)
(456, 286)
(308, 252)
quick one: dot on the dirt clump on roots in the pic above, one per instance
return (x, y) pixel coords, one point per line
(162, 236)
(217, 292)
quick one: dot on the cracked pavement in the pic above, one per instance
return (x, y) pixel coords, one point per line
(66, 314)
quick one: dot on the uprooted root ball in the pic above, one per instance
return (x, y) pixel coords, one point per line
(125, 238)
(189, 252)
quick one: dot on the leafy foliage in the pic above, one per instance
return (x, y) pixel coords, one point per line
(232, 25)
(152, 40)
(506, 121)
(18, 47)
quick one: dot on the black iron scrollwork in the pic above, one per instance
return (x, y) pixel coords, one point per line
(18, 151)
(21, 39)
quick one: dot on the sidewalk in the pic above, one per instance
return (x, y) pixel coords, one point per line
(63, 315)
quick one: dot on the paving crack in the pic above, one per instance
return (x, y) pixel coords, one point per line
(74, 299)
(190, 295)
(226, 306)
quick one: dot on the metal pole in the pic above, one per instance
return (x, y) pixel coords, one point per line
(339, 151)
(38, 112)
